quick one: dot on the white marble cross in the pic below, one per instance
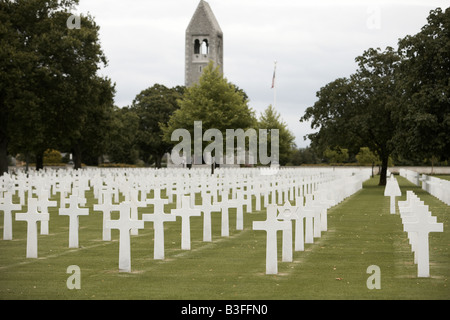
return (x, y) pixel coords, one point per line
(271, 225)
(301, 213)
(422, 227)
(225, 205)
(65, 187)
(405, 205)
(43, 204)
(7, 206)
(156, 194)
(106, 207)
(238, 203)
(243, 198)
(135, 204)
(309, 214)
(124, 224)
(32, 216)
(207, 207)
(321, 197)
(73, 211)
(225, 224)
(186, 212)
(291, 213)
(408, 213)
(257, 194)
(392, 190)
(21, 188)
(318, 213)
(158, 217)
(179, 192)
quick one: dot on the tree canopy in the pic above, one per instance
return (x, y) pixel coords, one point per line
(214, 101)
(397, 101)
(423, 83)
(271, 119)
(357, 111)
(153, 107)
(50, 90)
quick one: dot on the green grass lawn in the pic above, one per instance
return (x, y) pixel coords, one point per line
(361, 232)
(442, 176)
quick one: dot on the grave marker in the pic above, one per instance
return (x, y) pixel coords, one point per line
(207, 207)
(287, 213)
(106, 207)
(124, 224)
(32, 216)
(135, 204)
(158, 218)
(43, 204)
(271, 225)
(392, 190)
(73, 211)
(309, 214)
(422, 227)
(238, 204)
(313, 205)
(8, 207)
(186, 212)
(225, 204)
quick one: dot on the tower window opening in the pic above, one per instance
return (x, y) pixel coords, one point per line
(197, 46)
(205, 47)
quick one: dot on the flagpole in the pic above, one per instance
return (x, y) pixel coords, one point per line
(273, 85)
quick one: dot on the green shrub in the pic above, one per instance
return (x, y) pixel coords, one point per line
(52, 156)
(116, 165)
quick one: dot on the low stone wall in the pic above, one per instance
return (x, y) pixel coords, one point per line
(396, 170)
(423, 170)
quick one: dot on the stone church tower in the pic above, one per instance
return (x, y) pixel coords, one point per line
(204, 42)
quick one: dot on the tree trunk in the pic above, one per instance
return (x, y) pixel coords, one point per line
(158, 160)
(383, 173)
(27, 161)
(76, 152)
(39, 160)
(3, 155)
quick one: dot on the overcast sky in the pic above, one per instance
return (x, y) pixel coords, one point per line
(314, 42)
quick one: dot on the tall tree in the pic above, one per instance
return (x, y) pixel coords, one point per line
(19, 73)
(377, 101)
(357, 112)
(271, 119)
(90, 141)
(424, 114)
(331, 113)
(78, 94)
(154, 106)
(50, 77)
(366, 157)
(304, 156)
(336, 155)
(214, 101)
(122, 142)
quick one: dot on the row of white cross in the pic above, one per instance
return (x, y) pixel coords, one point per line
(242, 185)
(309, 216)
(418, 223)
(437, 187)
(392, 190)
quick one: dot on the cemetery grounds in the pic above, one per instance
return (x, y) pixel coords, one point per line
(361, 232)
